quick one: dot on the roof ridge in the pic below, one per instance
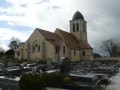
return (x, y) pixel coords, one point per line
(68, 38)
(62, 30)
(44, 30)
(85, 45)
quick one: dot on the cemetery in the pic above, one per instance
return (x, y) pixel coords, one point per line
(95, 75)
(55, 55)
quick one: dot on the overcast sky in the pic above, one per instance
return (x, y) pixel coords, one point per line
(19, 18)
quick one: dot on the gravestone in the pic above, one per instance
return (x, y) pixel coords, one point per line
(97, 63)
(64, 64)
(49, 62)
(10, 64)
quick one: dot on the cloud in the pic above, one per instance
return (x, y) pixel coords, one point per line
(102, 16)
(34, 14)
(7, 34)
(11, 23)
(3, 47)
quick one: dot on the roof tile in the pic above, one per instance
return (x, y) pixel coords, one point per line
(72, 42)
(69, 39)
(51, 37)
(84, 45)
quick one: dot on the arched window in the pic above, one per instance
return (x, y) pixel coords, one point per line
(38, 48)
(56, 48)
(77, 26)
(84, 27)
(36, 45)
(33, 48)
(91, 53)
(18, 53)
(83, 53)
(63, 49)
(74, 52)
(73, 27)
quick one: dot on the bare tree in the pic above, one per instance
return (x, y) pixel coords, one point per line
(2, 51)
(14, 43)
(112, 46)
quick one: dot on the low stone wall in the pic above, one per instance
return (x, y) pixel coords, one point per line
(8, 57)
(107, 58)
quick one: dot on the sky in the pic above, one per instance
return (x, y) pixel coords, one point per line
(19, 18)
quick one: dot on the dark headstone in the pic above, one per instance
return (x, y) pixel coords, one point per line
(64, 64)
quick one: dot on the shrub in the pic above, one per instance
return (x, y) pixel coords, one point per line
(31, 82)
(53, 80)
(41, 62)
(45, 76)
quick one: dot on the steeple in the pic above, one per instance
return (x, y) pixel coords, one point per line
(77, 16)
(78, 27)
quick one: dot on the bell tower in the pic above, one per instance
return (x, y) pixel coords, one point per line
(78, 27)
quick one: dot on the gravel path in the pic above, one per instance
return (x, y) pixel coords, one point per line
(115, 83)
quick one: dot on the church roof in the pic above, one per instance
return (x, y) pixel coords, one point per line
(77, 16)
(53, 38)
(20, 47)
(69, 39)
(84, 45)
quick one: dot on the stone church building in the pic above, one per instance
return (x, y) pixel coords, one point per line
(43, 45)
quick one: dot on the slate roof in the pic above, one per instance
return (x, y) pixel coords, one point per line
(77, 16)
(20, 47)
(52, 38)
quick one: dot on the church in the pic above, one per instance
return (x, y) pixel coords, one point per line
(44, 45)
